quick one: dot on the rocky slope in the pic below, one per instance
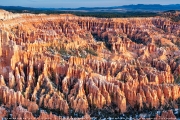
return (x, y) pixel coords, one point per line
(72, 66)
(172, 14)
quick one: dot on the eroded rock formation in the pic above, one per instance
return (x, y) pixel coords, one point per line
(67, 64)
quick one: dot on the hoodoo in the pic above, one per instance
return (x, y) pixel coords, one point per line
(64, 65)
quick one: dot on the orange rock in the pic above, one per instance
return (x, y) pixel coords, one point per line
(58, 62)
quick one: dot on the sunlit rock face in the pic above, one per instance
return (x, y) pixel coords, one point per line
(69, 65)
(166, 115)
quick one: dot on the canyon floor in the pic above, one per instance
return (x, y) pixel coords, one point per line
(64, 66)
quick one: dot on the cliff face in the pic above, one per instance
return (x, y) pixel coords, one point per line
(66, 63)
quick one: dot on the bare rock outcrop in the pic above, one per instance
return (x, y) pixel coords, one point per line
(66, 63)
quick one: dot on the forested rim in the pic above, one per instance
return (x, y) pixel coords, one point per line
(99, 14)
(110, 14)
